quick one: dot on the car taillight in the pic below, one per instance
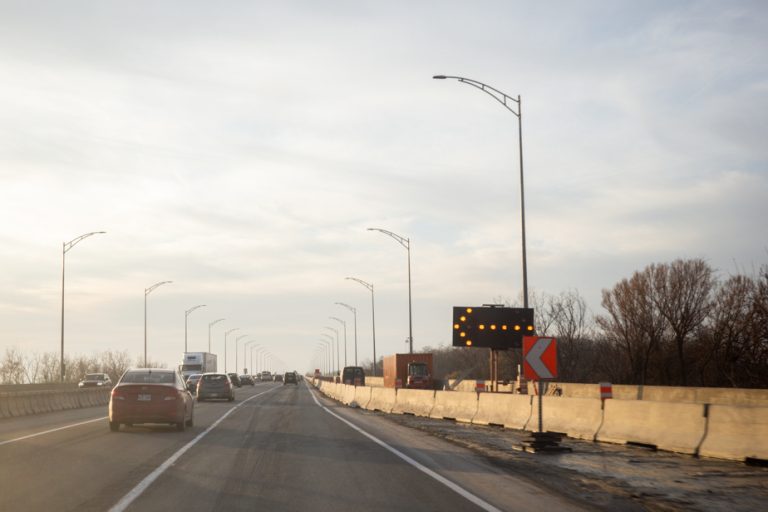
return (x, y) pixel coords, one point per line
(116, 395)
(173, 396)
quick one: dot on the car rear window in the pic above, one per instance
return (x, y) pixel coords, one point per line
(214, 378)
(149, 378)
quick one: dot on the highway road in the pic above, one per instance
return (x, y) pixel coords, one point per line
(277, 447)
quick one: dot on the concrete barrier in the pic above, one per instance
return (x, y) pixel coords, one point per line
(382, 399)
(347, 394)
(676, 427)
(26, 401)
(14, 405)
(418, 402)
(455, 405)
(507, 410)
(736, 432)
(374, 382)
(579, 418)
(362, 396)
(5, 406)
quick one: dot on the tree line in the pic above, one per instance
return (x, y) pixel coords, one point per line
(44, 368)
(670, 324)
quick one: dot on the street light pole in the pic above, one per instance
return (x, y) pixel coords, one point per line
(354, 313)
(186, 316)
(506, 101)
(405, 242)
(147, 291)
(337, 344)
(225, 346)
(369, 286)
(327, 345)
(342, 322)
(209, 331)
(245, 346)
(66, 246)
(236, 340)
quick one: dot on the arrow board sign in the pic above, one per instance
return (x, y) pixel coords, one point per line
(539, 358)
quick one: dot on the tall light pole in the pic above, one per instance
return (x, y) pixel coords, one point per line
(245, 347)
(369, 286)
(258, 348)
(342, 322)
(506, 101)
(209, 331)
(328, 344)
(147, 291)
(354, 313)
(66, 246)
(405, 242)
(225, 346)
(236, 340)
(337, 344)
(186, 316)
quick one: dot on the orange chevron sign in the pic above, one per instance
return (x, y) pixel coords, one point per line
(539, 358)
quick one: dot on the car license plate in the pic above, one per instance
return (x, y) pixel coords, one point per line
(145, 398)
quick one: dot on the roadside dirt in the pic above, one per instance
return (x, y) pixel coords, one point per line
(612, 477)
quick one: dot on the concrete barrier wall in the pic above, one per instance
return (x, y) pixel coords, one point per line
(347, 394)
(699, 395)
(363, 396)
(418, 402)
(579, 418)
(382, 399)
(668, 426)
(726, 432)
(507, 410)
(736, 432)
(24, 403)
(454, 405)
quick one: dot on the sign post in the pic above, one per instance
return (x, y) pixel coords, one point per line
(540, 364)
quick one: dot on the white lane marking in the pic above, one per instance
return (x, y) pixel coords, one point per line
(9, 441)
(142, 486)
(451, 485)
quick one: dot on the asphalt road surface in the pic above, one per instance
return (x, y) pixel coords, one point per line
(277, 447)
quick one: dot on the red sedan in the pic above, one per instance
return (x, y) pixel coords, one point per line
(151, 395)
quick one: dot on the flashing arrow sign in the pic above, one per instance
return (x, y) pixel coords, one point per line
(539, 358)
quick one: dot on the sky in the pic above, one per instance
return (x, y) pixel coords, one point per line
(241, 149)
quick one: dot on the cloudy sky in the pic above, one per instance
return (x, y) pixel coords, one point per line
(240, 149)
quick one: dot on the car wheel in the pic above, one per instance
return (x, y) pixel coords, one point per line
(181, 426)
(114, 426)
(231, 399)
(191, 421)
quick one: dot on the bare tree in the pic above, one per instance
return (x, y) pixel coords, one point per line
(681, 294)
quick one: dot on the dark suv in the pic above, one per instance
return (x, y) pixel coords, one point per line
(215, 385)
(235, 379)
(353, 375)
(290, 378)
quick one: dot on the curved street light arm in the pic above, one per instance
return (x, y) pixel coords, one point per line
(216, 321)
(194, 308)
(367, 285)
(346, 306)
(149, 290)
(75, 241)
(401, 240)
(491, 91)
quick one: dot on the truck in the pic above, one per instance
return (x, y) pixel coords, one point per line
(197, 362)
(408, 371)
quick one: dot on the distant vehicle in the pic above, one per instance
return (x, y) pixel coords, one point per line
(235, 379)
(278, 377)
(353, 375)
(197, 362)
(95, 380)
(192, 382)
(215, 385)
(290, 378)
(408, 371)
(151, 395)
(265, 376)
(246, 380)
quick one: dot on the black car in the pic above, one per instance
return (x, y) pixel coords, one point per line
(235, 379)
(246, 380)
(290, 378)
(215, 385)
